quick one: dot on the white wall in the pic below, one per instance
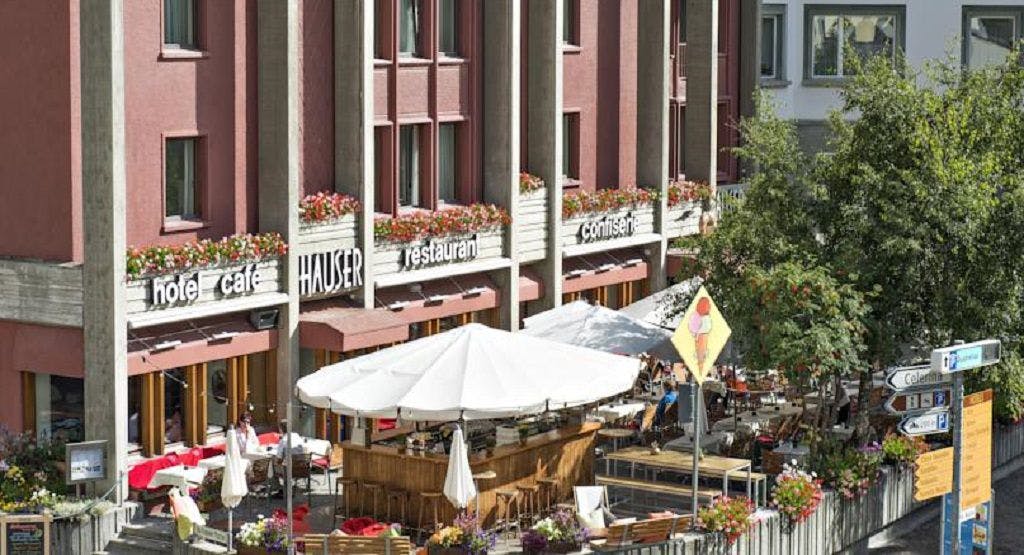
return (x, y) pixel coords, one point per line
(933, 29)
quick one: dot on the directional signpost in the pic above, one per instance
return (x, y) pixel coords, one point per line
(924, 424)
(970, 420)
(915, 376)
(934, 399)
(934, 474)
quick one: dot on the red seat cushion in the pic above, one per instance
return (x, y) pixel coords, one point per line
(269, 438)
(321, 462)
(386, 424)
(213, 451)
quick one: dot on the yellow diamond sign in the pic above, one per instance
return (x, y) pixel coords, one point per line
(701, 335)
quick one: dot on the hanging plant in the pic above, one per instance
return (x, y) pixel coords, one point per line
(797, 494)
(688, 191)
(730, 516)
(605, 200)
(326, 206)
(529, 183)
(158, 260)
(458, 220)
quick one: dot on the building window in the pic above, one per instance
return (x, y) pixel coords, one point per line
(990, 34)
(180, 180)
(448, 27)
(569, 26)
(570, 140)
(832, 33)
(180, 24)
(216, 396)
(409, 166)
(772, 45)
(174, 406)
(409, 28)
(682, 20)
(447, 163)
(59, 407)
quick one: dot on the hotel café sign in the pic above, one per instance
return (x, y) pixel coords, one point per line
(433, 252)
(186, 288)
(608, 227)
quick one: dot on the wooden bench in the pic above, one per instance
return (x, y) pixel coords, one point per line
(642, 532)
(656, 487)
(323, 544)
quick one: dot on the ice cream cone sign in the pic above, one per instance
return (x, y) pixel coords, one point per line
(701, 335)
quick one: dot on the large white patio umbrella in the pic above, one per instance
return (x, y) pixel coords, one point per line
(666, 307)
(586, 325)
(471, 372)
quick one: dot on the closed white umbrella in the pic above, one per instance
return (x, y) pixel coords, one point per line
(234, 487)
(458, 482)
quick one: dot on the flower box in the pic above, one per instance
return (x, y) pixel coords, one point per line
(556, 547)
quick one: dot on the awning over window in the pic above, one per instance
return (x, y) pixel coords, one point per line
(327, 325)
(601, 269)
(440, 298)
(194, 342)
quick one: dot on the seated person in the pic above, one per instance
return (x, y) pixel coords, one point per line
(666, 400)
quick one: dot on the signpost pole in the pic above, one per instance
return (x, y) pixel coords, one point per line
(952, 516)
(696, 444)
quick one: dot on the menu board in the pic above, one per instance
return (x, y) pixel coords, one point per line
(86, 461)
(25, 534)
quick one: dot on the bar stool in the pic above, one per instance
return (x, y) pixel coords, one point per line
(433, 498)
(507, 499)
(530, 493)
(372, 490)
(484, 476)
(401, 499)
(348, 486)
(549, 489)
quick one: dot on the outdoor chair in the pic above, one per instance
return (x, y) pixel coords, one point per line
(331, 462)
(325, 544)
(642, 532)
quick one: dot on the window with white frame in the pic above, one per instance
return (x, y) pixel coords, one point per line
(833, 33)
(773, 23)
(180, 179)
(990, 34)
(180, 24)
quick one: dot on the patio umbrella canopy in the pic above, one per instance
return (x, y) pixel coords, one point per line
(662, 308)
(585, 325)
(471, 372)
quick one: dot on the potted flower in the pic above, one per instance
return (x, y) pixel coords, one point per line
(465, 536)
(559, 533)
(850, 471)
(266, 535)
(796, 494)
(208, 496)
(729, 516)
(902, 451)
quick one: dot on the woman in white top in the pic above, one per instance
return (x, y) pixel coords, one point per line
(247, 440)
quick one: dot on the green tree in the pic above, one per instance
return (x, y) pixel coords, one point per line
(917, 206)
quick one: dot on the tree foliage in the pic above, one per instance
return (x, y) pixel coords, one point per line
(916, 210)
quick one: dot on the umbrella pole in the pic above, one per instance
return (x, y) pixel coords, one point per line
(231, 531)
(288, 478)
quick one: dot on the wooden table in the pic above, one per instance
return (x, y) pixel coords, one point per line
(615, 434)
(682, 463)
(566, 454)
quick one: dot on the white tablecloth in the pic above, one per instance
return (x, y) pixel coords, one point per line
(181, 476)
(612, 413)
(218, 462)
(747, 422)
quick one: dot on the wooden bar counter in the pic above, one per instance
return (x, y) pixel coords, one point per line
(566, 454)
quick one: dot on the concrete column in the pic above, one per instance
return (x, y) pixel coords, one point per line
(353, 119)
(701, 127)
(105, 325)
(501, 82)
(544, 128)
(278, 82)
(652, 125)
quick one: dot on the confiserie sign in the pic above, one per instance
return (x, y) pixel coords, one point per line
(434, 252)
(608, 227)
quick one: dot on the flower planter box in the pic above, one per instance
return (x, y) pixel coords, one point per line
(532, 222)
(245, 550)
(683, 219)
(316, 237)
(390, 256)
(139, 292)
(555, 547)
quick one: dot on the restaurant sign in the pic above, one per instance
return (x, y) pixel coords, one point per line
(329, 272)
(608, 227)
(186, 288)
(433, 252)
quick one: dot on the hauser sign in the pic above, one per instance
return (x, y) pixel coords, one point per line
(441, 252)
(186, 288)
(330, 272)
(608, 227)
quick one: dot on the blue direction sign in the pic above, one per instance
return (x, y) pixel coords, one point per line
(924, 424)
(965, 357)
